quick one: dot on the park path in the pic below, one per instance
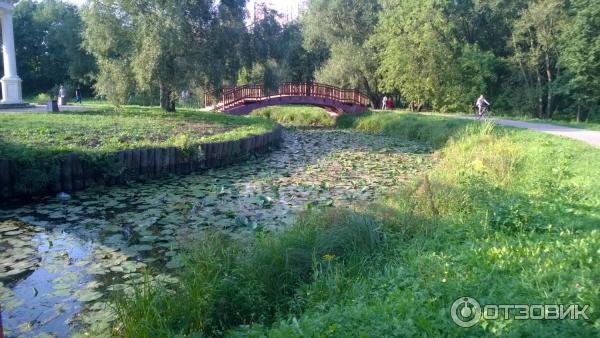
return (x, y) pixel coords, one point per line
(591, 137)
(42, 109)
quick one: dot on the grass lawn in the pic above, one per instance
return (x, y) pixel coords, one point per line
(33, 141)
(573, 124)
(494, 219)
(105, 130)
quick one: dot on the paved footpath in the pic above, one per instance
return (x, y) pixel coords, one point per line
(42, 109)
(591, 137)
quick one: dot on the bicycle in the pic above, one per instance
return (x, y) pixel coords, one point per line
(485, 113)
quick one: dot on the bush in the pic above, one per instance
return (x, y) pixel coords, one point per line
(42, 98)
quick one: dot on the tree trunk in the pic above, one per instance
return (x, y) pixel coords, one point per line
(549, 86)
(578, 113)
(167, 101)
(171, 107)
(540, 95)
(163, 95)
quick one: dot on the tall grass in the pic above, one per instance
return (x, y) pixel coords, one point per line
(431, 129)
(505, 216)
(296, 115)
(225, 284)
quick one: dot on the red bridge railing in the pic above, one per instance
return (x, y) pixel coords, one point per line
(232, 97)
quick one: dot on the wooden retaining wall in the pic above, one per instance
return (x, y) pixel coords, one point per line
(72, 172)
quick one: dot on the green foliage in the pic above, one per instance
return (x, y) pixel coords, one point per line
(429, 60)
(331, 22)
(47, 45)
(42, 98)
(221, 287)
(296, 116)
(36, 141)
(136, 54)
(341, 29)
(581, 43)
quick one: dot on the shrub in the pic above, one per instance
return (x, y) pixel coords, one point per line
(42, 98)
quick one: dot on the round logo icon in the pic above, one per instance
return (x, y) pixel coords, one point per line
(465, 311)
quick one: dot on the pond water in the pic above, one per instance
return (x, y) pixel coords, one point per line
(62, 261)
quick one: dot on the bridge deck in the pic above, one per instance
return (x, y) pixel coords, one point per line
(244, 99)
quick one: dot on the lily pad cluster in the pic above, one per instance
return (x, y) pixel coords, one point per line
(18, 256)
(107, 240)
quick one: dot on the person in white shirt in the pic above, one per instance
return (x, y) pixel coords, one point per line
(481, 104)
(384, 103)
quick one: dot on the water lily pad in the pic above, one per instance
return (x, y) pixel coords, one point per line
(174, 263)
(86, 295)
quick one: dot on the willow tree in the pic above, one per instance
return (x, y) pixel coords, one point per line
(342, 29)
(163, 45)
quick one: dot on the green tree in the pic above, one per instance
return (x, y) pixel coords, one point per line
(435, 53)
(536, 42)
(48, 46)
(275, 52)
(340, 29)
(162, 45)
(581, 56)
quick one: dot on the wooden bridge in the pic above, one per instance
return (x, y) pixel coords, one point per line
(244, 99)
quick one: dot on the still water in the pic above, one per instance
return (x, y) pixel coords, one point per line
(62, 261)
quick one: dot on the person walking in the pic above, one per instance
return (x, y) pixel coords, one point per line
(384, 103)
(62, 98)
(78, 95)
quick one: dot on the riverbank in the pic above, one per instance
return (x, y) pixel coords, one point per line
(494, 220)
(49, 153)
(81, 254)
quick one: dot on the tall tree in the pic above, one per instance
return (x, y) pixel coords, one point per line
(48, 45)
(537, 35)
(341, 29)
(429, 53)
(581, 56)
(161, 44)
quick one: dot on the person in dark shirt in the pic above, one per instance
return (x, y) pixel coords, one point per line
(78, 95)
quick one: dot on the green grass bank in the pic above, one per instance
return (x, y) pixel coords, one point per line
(296, 115)
(33, 142)
(505, 216)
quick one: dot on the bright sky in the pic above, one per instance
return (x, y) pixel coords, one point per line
(282, 6)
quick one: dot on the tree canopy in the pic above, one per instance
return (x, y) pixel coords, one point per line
(48, 46)
(538, 57)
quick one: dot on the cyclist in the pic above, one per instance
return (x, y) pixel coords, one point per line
(481, 104)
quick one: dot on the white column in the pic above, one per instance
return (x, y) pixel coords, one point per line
(11, 83)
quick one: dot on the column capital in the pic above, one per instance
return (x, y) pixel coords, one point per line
(6, 7)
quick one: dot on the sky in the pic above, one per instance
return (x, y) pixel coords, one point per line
(283, 6)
